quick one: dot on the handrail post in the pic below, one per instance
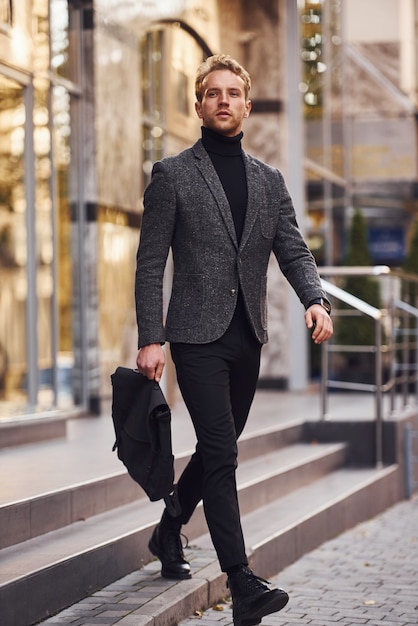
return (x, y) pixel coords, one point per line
(414, 378)
(399, 348)
(405, 346)
(407, 443)
(378, 381)
(324, 381)
(392, 353)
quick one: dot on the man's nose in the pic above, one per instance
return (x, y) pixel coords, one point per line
(223, 99)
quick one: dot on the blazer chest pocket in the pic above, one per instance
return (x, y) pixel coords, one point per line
(186, 301)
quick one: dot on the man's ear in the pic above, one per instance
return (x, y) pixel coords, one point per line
(198, 108)
(248, 106)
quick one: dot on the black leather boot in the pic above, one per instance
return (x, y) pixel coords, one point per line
(165, 543)
(251, 598)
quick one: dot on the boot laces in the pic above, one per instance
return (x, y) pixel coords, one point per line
(256, 583)
(253, 582)
(174, 543)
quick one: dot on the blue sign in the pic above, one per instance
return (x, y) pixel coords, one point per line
(387, 245)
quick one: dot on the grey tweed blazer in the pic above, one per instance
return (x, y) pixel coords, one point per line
(185, 209)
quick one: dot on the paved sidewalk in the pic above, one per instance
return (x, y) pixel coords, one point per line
(368, 575)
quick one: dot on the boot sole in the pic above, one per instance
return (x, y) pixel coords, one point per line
(252, 618)
(174, 576)
(166, 573)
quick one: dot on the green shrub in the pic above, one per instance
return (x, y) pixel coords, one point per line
(358, 330)
(411, 262)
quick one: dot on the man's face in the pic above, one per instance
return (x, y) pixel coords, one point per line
(223, 106)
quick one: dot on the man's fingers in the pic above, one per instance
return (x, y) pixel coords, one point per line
(320, 321)
(323, 331)
(150, 361)
(158, 372)
(308, 320)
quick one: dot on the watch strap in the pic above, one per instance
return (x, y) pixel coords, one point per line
(326, 304)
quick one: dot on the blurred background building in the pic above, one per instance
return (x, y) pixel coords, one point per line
(93, 92)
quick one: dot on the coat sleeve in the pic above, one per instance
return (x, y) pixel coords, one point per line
(155, 240)
(295, 259)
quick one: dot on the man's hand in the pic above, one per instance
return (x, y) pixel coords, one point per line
(151, 361)
(317, 318)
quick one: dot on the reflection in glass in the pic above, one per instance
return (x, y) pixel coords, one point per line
(59, 37)
(152, 98)
(152, 79)
(321, 89)
(118, 244)
(6, 12)
(44, 239)
(12, 242)
(62, 157)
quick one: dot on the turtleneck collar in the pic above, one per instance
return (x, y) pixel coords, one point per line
(219, 144)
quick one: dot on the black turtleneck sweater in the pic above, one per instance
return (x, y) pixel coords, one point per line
(226, 156)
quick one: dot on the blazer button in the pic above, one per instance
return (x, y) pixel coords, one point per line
(233, 292)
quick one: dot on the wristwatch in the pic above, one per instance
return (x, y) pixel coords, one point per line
(323, 302)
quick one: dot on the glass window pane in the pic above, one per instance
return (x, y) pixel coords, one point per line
(118, 243)
(40, 29)
(59, 37)
(12, 243)
(44, 239)
(62, 159)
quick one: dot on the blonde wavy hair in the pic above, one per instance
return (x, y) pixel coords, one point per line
(220, 62)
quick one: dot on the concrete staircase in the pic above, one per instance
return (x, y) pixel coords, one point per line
(298, 487)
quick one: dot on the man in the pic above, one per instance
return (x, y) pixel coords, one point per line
(222, 213)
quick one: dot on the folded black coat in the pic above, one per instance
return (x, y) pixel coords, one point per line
(142, 422)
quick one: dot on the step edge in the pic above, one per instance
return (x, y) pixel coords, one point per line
(322, 454)
(180, 456)
(212, 577)
(348, 493)
(314, 456)
(146, 527)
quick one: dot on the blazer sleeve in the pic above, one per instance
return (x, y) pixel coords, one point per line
(155, 240)
(295, 259)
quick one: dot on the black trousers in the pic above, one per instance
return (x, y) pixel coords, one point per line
(217, 382)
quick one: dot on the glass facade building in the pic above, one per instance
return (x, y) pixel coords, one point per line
(36, 341)
(91, 94)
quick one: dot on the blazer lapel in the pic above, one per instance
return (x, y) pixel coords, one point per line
(254, 193)
(208, 172)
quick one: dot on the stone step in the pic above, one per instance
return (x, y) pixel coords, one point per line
(260, 480)
(44, 512)
(23, 429)
(91, 552)
(292, 525)
(275, 474)
(272, 475)
(276, 535)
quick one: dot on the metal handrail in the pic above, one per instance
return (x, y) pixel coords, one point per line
(412, 311)
(376, 315)
(387, 315)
